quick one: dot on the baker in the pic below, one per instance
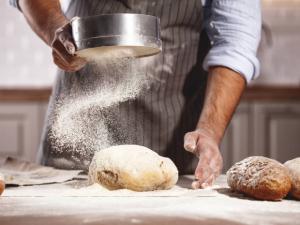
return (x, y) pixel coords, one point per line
(185, 108)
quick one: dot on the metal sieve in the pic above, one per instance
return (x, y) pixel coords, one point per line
(137, 32)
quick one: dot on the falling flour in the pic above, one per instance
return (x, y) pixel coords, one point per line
(82, 120)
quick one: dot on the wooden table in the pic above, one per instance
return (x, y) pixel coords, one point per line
(225, 207)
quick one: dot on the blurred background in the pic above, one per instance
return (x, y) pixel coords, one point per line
(267, 122)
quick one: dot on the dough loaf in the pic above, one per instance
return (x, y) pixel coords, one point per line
(260, 177)
(294, 170)
(132, 167)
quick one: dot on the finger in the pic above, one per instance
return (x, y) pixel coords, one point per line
(60, 49)
(60, 63)
(63, 65)
(203, 184)
(217, 172)
(196, 184)
(203, 174)
(217, 164)
(73, 61)
(208, 182)
(65, 37)
(75, 65)
(190, 141)
(66, 68)
(203, 170)
(69, 46)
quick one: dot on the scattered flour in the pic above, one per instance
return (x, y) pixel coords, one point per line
(81, 188)
(223, 208)
(83, 118)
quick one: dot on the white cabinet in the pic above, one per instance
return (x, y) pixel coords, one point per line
(277, 130)
(20, 129)
(263, 128)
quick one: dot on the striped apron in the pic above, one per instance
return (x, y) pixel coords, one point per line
(160, 116)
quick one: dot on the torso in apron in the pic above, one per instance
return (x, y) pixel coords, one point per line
(158, 117)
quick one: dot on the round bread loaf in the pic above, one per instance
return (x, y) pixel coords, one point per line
(132, 167)
(294, 170)
(2, 184)
(260, 177)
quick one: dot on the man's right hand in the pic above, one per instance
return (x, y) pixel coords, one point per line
(63, 50)
(49, 23)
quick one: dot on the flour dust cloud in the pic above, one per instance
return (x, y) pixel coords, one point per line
(84, 116)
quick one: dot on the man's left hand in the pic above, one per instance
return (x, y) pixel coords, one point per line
(205, 147)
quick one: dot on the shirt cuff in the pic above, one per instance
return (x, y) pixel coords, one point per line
(15, 3)
(246, 65)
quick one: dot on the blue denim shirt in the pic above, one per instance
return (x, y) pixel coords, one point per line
(233, 27)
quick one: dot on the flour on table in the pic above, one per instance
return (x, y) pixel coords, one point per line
(187, 206)
(81, 188)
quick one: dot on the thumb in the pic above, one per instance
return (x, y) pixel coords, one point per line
(66, 39)
(64, 36)
(190, 141)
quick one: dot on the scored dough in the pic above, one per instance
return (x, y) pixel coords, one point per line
(132, 167)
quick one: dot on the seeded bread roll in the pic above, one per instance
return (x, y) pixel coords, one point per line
(260, 177)
(294, 170)
(2, 184)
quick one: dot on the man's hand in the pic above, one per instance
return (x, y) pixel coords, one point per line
(223, 92)
(63, 50)
(50, 24)
(203, 145)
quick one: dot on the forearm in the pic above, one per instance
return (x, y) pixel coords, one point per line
(223, 92)
(44, 17)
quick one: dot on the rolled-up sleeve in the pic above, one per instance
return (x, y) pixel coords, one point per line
(234, 29)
